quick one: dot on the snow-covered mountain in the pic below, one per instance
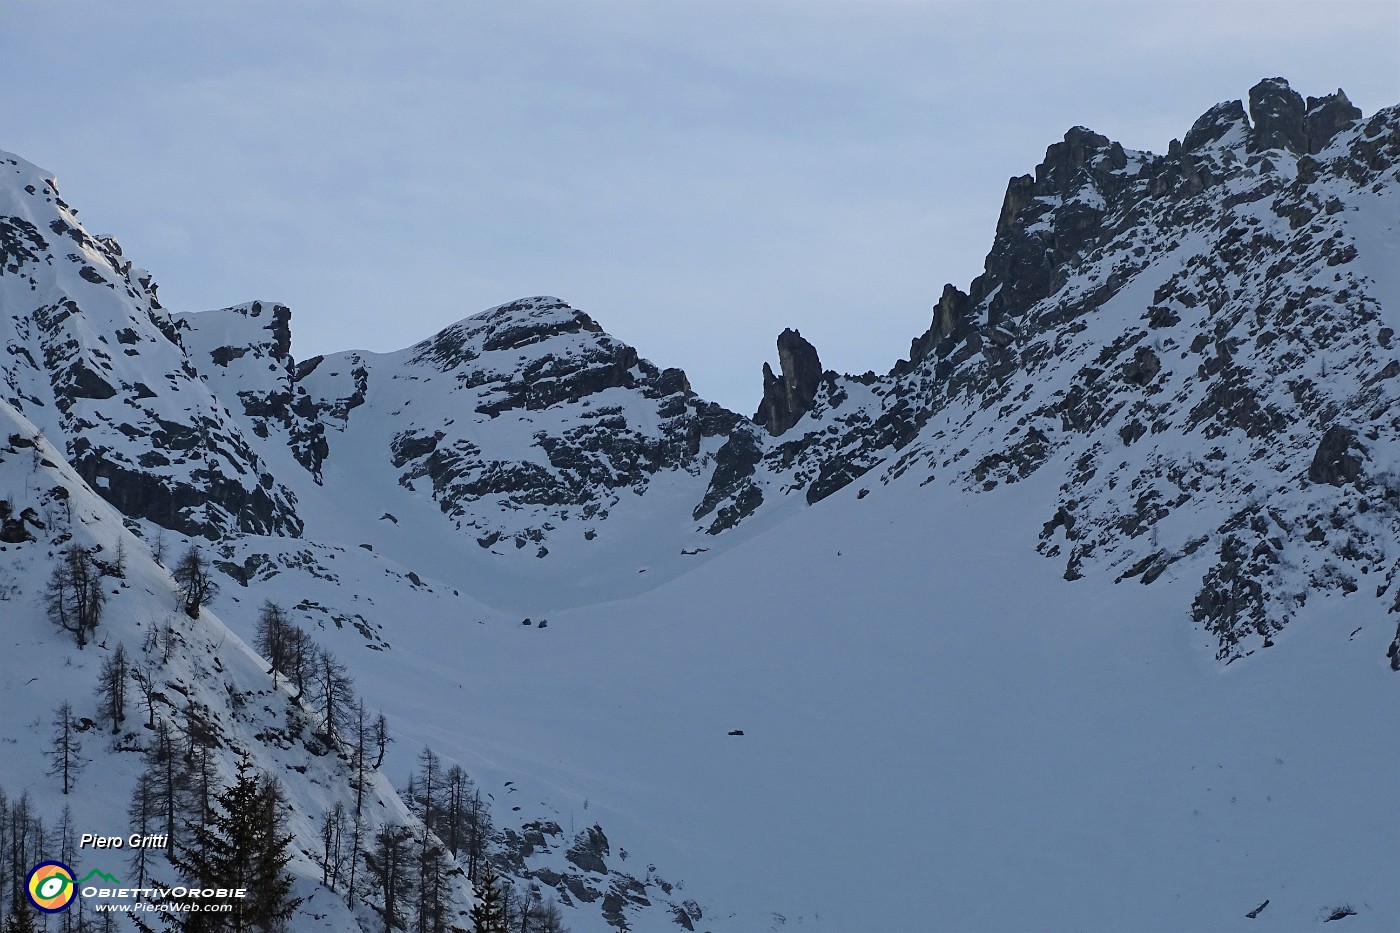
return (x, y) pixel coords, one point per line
(972, 644)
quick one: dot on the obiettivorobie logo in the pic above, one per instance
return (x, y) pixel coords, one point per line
(52, 887)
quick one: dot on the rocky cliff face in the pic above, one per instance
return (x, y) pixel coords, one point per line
(95, 361)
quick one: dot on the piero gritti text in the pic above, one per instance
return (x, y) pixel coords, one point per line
(134, 841)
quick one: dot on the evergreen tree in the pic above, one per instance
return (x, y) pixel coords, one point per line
(272, 639)
(390, 868)
(272, 885)
(197, 587)
(65, 755)
(21, 921)
(488, 914)
(244, 845)
(111, 688)
(74, 598)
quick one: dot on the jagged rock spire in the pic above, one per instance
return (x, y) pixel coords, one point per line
(787, 399)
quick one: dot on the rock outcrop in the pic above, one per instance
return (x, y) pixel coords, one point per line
(787, 399)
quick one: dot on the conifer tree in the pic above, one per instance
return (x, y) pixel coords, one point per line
(272, 638)
(197, 587)
(300, 652)
(488, 914)
(244, 845)
(111, 688)
(391, 872)
(142, 812)
(381, 740)
(74, 598)
(21, 921)
(333, 830)
(332, 694)
(65, 755)
(272, 885)
(478, 825)
(167, 776)
(455, 807)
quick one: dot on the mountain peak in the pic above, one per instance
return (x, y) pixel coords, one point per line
(1278, 113)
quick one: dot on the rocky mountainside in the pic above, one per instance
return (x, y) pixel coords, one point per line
(189, 681)
(1180, 331)
(1189, 356)
(93, 358)
(1195, 343)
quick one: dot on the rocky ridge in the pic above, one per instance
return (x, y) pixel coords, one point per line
(1155, 327)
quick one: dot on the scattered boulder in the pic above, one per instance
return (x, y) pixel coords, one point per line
(1334, 463)
(589, 849)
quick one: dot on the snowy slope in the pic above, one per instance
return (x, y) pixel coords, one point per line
(95, 361)
(208, 683)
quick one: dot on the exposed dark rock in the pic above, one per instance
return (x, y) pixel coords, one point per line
(1214, 125)
(1019, 191)
(1143, 368)
(786, 400)
(743, 505)
(1334, 463)
(734, 467)
(1278, 113)
(12, 527)
(952, 322)
(589, 849)
(1327, 116)
(81, 381)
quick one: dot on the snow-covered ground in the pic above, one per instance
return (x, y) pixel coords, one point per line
(939, 732)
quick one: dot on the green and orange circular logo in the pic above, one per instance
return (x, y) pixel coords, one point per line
(51, 887)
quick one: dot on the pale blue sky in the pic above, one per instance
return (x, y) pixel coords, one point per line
(694, 175)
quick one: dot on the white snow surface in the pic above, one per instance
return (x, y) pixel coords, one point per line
(930, 712)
